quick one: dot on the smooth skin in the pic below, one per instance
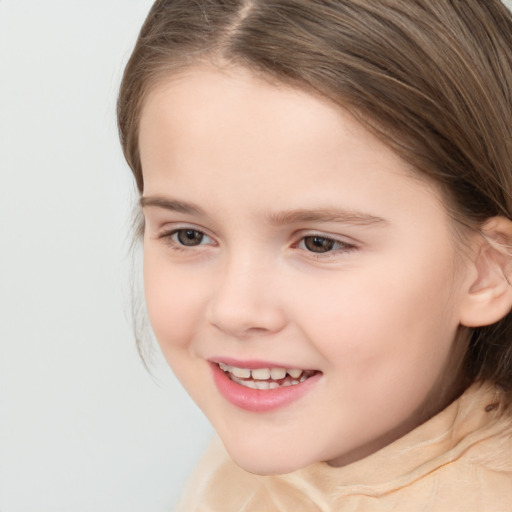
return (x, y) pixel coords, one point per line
(278, 228)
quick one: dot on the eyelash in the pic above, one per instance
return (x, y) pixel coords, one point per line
(169, 237)
(335, 246)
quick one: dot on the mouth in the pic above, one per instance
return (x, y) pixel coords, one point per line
(266, 378)
(257, 387)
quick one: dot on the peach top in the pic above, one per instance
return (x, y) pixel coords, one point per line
(459, 460)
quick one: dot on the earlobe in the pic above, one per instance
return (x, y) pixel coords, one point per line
(489, 297)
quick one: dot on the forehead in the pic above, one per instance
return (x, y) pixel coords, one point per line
(215, 126)
(204, 101)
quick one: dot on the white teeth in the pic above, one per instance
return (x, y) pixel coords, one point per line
(294, 373)
(260, 374)
(290, 382)
(247, 383)
(277, 373)
(265, 378)
(264, 384)
(256, 384)
(241, 373)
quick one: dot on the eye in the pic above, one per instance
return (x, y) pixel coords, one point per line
(318, 243)
(322, 244)
(188, 237)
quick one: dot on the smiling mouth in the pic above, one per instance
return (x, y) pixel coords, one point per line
(266, 378)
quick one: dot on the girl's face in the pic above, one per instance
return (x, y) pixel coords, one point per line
(288, 249)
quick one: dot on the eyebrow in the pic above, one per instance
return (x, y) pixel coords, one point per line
(340, 215)
(171, 204)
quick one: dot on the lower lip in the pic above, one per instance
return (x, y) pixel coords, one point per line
(260, 400)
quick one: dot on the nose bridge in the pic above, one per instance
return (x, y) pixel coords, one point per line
(245, 299)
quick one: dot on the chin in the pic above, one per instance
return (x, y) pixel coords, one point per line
(267, 462)
(266, 468)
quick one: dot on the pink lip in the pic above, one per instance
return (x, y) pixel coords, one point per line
(257, 400)
(252, 364)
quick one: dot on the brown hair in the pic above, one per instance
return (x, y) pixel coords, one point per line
(433, 79)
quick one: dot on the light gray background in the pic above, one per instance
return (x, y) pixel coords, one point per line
(83, 427)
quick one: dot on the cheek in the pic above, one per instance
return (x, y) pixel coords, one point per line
(374, 320)
(173, 302)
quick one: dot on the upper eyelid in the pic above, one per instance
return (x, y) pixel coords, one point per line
(332, 238)
(344, 245)
(343, 239)
(172, 231)
(169, 228)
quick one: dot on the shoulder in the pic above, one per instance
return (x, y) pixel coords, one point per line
(474, 469)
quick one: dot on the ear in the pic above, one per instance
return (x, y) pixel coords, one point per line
(489, 297)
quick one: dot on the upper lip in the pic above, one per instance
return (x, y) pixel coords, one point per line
(252, 364)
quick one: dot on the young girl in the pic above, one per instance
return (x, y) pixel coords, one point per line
(326, 189)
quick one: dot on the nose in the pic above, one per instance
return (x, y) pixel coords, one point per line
(246, 301)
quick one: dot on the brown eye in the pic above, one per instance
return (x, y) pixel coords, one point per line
(319, 244)
(188, 237)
